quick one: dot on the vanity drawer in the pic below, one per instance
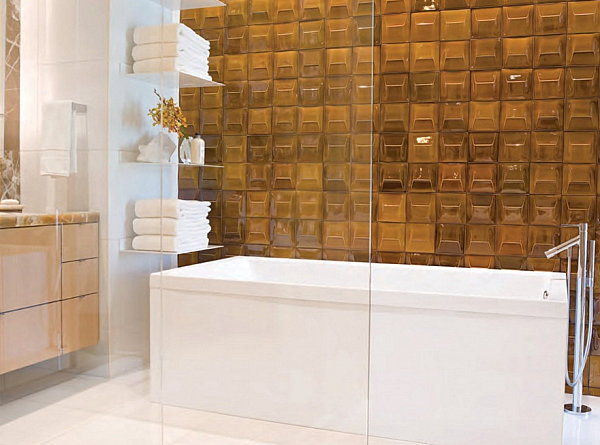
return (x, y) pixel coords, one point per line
(80, 241)
(80, 323)
(29, 336)
(79, 278)
(29, 266)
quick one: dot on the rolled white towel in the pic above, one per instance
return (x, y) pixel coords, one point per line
(168, 49)
(171, 64)
(170, 226)
(168, 243)
(171, 208)
(171, 32)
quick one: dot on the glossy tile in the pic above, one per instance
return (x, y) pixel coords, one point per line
(477, 115)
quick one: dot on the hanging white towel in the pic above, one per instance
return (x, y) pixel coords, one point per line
(59, 139)
(171, 32)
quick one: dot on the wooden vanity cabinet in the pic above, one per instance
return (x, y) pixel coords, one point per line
(29, 266)
(80, 320)
(29, 336)
(80, 323)
(79, 278)
(80, 241)
(48, 292)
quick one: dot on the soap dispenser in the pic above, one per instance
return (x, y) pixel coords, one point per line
(198, 150)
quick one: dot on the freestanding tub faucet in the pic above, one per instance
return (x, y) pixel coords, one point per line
(584, 287)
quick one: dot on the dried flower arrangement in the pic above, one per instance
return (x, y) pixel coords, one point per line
(168, 115)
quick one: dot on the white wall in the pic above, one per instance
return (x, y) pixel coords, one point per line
(64, 55)
(130, 99)
(80, 50)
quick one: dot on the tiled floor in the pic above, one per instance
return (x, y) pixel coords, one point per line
(92, 411)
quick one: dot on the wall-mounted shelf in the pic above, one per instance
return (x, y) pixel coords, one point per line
(126, 248)
(172, 164)
(200, 165)
(184, 80)
(169, 164)
(130, 156)
(189, 4)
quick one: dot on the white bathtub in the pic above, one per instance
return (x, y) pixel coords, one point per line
(445, 356)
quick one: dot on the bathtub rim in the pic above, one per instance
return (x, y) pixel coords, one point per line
(555, 306)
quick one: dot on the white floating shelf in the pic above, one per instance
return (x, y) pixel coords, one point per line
(189, 4)
(129, 157)
(157, 252)
(126, 248)
(172, 164)
(200, 165)
(184, 80)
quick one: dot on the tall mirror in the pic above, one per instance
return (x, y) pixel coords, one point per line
(10, 34)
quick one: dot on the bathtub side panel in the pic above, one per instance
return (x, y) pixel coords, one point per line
(155, 344)
(442, 377)
(296, 362)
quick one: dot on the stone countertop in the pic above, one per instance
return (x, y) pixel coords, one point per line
(11, 220)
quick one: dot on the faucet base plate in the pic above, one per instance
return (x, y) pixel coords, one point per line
(582, 411)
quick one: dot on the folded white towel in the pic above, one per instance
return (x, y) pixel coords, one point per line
(168, 243)
(168, 49)
(171, 226)
(171, 64)
(171, 32)
(174, 63)
(171, 208)
(182, 233)
(59, 139)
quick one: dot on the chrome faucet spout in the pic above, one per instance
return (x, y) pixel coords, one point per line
(562, 247)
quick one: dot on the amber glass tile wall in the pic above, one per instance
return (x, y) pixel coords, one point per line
(481, 118)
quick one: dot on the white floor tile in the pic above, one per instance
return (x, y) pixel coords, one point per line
(105, 429)
(381, 441)
(95, 411)
(24, 422)
(90, 394)
(197, 438)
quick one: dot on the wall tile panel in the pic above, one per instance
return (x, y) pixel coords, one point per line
(480, 117)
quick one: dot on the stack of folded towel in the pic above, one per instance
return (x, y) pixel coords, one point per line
(171, 225)
(171, 47)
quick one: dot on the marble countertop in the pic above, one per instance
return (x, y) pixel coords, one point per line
(10, 220)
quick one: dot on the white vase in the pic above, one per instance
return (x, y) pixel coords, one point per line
(153, 152)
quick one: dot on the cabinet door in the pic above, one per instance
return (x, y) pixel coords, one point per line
(80, 241)
(80, 327)
(29, 266)
(29, 336)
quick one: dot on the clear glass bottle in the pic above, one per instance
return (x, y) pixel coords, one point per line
(185, 151)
